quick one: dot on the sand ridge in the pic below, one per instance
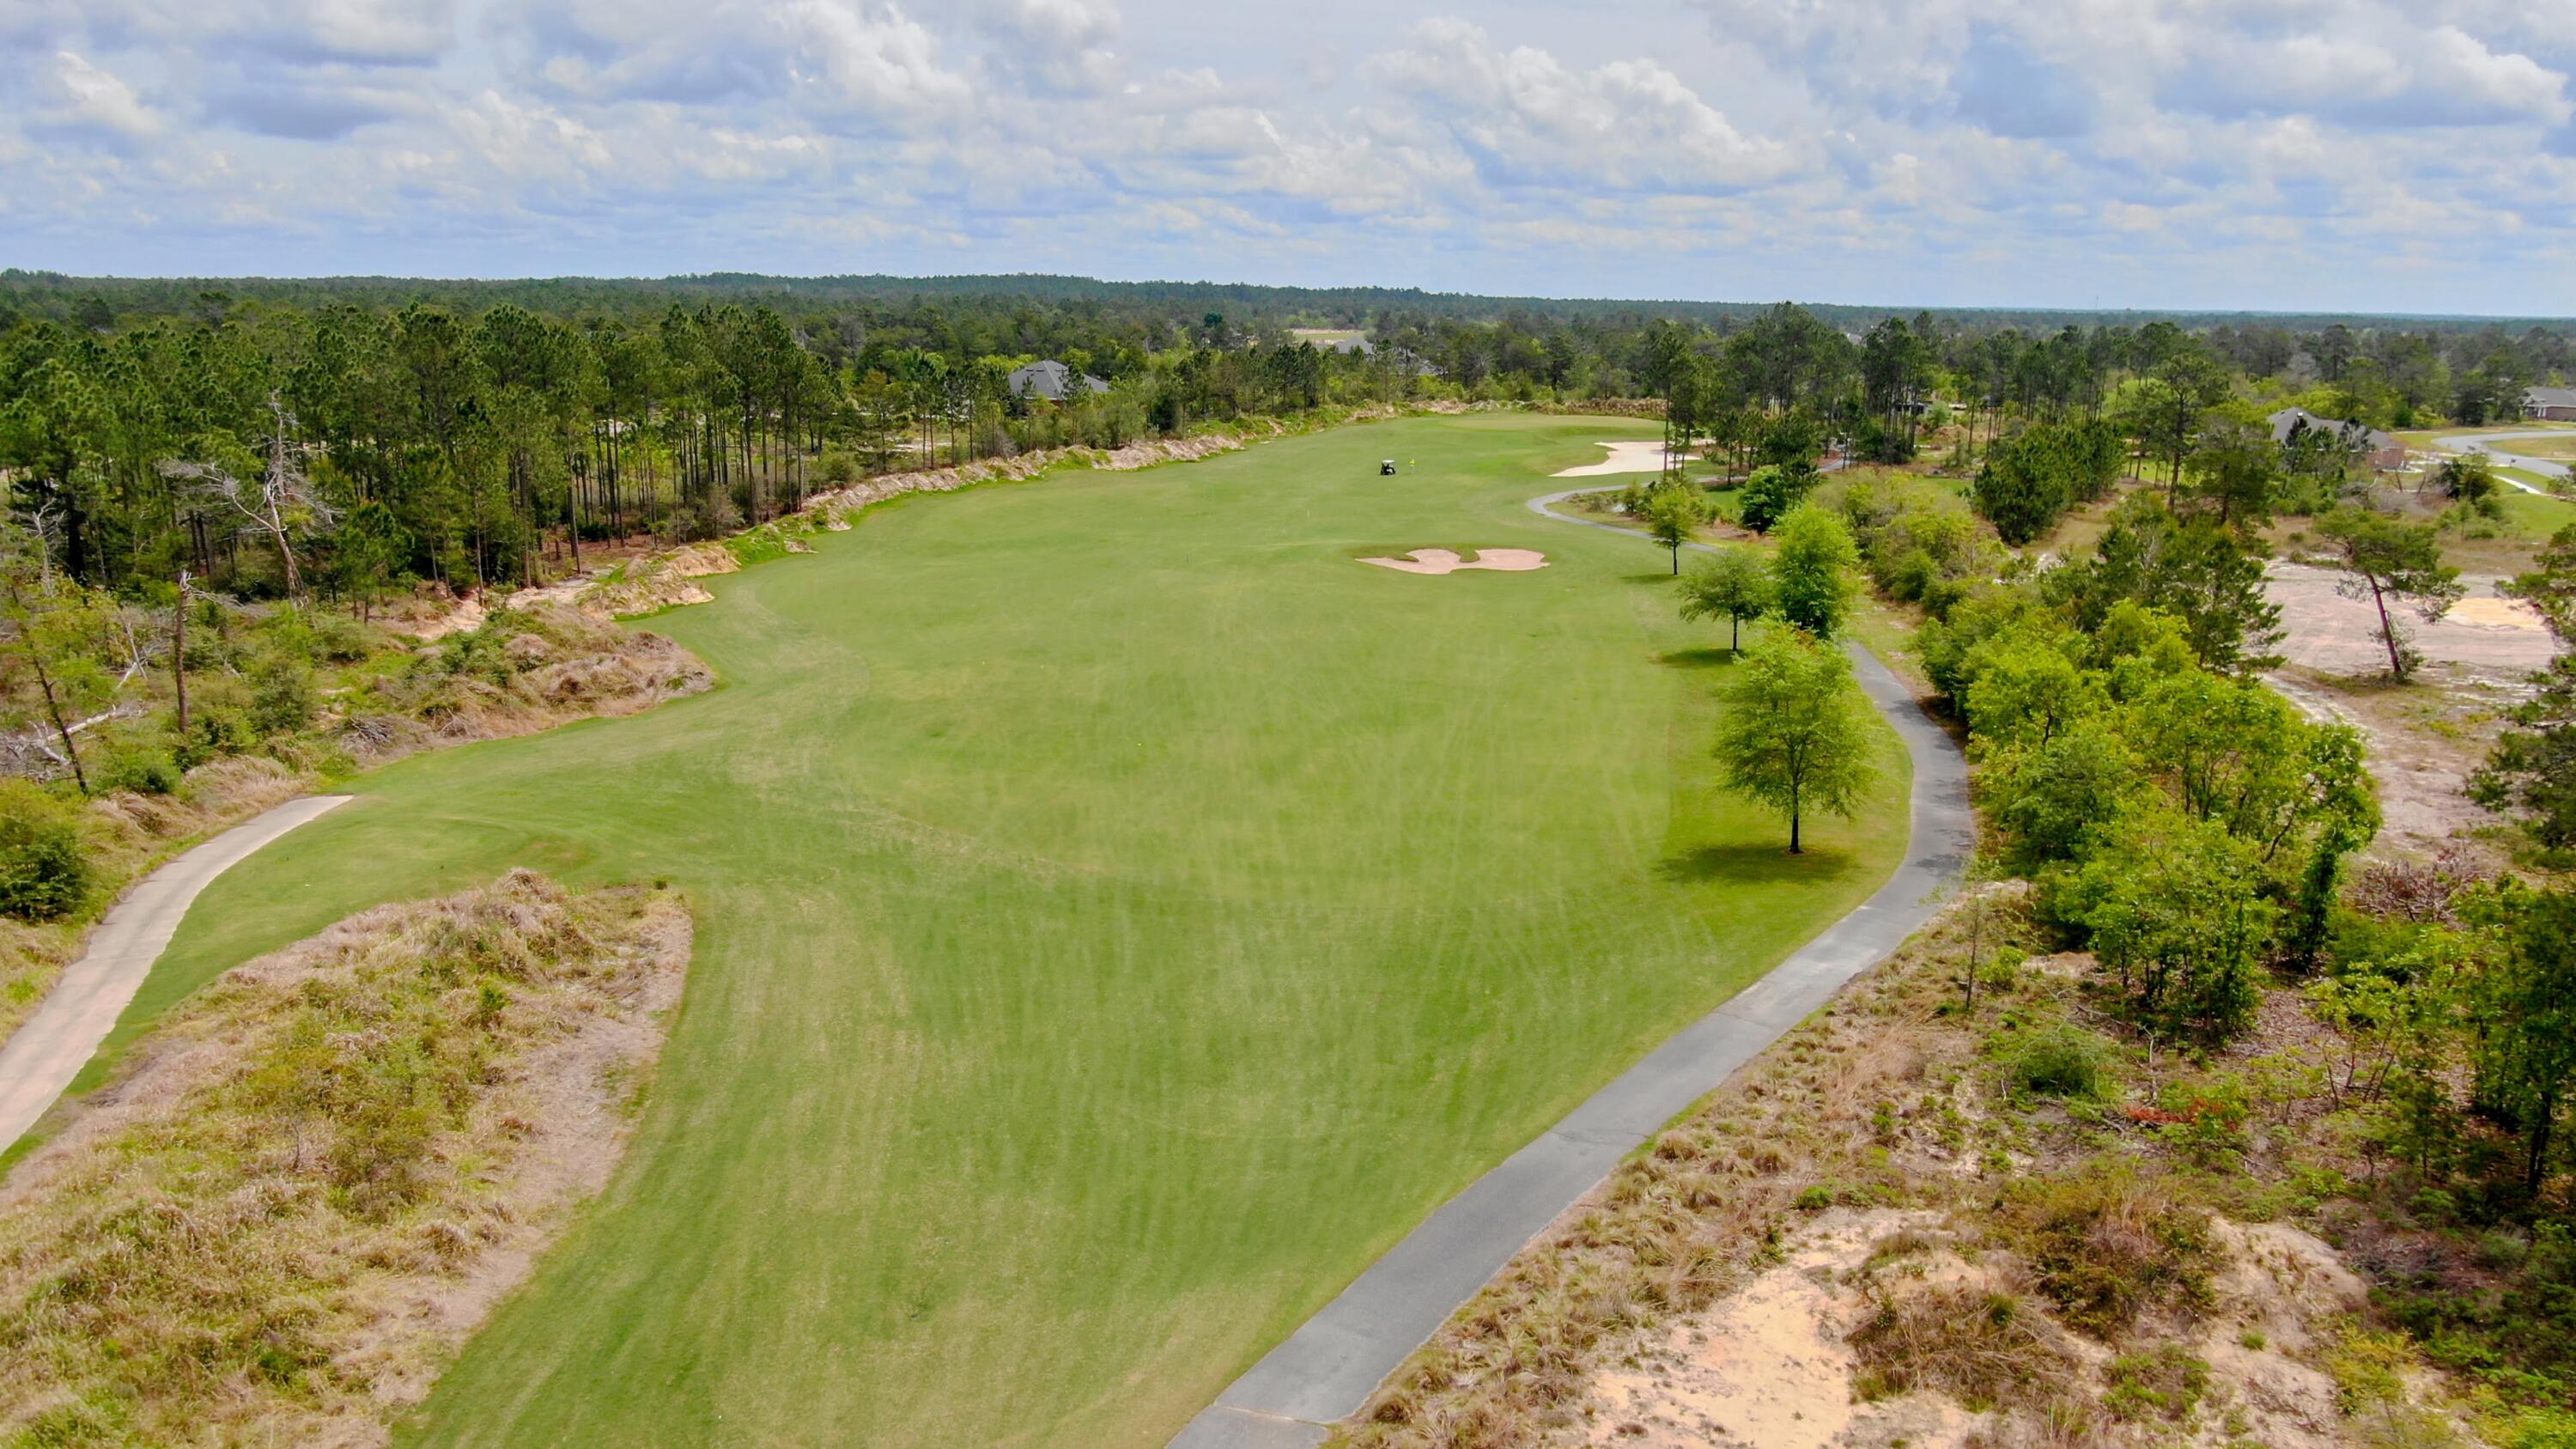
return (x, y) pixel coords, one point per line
(1444, 561)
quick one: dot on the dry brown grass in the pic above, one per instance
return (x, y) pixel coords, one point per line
(1704, 1207)
(2054, 1269)
(279, 1220)
(518, 674)
(1986, 1347)
(522, 672)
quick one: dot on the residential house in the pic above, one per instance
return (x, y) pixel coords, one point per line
(2549, 404)
(1049, 381)
(2377, 450)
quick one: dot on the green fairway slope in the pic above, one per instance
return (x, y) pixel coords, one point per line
(1121, 916)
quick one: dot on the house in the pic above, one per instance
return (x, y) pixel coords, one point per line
(1049, 381)
(2379, 451)
(2549, 404)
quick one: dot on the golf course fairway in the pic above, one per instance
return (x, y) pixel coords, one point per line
(1122, 915)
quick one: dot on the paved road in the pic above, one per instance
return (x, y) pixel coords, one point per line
(54, 1044)
(1326, 1369)
(2485, 443)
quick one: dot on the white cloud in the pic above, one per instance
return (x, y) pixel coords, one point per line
(87, 96)
(1525, 117)
(2400, 153)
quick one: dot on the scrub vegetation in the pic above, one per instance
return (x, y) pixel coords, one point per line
(276, 1223)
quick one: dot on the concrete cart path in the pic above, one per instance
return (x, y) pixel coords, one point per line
(2484, 443)
(52, 1046)
(1328, 1368)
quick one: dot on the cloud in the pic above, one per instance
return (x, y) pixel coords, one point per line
(87, 98)
(301, 113)
(844, 59)
(2003, 89)
(2389, 152)
(1527, 119)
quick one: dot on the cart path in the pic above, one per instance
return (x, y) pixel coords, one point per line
(51, 1047)
(1326, 1369)
(2482, 443)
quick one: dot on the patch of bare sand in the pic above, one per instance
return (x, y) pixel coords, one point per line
(1625, 457)
(1770, 1365)
(2485, 632)
(2422, 772)
(1444, 561)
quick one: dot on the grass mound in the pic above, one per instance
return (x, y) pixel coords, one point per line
(280, 1220)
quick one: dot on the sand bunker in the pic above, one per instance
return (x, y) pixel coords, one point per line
(1442, 561)
(1624, 458)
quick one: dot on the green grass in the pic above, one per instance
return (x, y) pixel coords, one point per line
(2533, 516)
(1122, 917)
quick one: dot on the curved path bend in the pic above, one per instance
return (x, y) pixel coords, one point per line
(51, 1047)
(2485, 443)
(1326, 1369)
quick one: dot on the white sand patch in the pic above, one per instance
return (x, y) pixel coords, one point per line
(1442, 561)
(1624, 458)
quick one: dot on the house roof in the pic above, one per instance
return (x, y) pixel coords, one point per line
(1048, 381)
(2549, 397)
(2289, 420)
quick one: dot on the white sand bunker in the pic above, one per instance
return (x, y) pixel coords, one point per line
(1624, 458)
(1442, 561)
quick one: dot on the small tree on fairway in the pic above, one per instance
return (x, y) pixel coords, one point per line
(1796, 734)
(2386, 558)
(1812, 571)
(1671, 514)
(1732, 586)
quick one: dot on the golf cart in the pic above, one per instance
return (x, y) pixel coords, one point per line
(1386, 467)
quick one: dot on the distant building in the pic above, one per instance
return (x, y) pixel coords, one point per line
(2380, 450)
(2550, 404)
(1049, 381)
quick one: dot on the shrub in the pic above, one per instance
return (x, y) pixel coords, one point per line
(1982, 1348)
(2163, 1382)
(44, 871)
(2060, 1062)
(2107, 1246)
(143, 769)
(282, 700)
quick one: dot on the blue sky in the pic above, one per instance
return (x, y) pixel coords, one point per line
(2300, 154)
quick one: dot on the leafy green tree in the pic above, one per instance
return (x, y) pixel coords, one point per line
(1733, 586)
(1796, 732)
(2466, 478)
(2026, 690)
(2532, 768)
(2061, 799)
(2193, 569)
(44, 871)
(2385, 558)
(1814, 571)
(371, 545)
(2238, 468)
(2021, 490)
(2176, 907)
(1671, 516)
(1769, 494)
(2526, 1011)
